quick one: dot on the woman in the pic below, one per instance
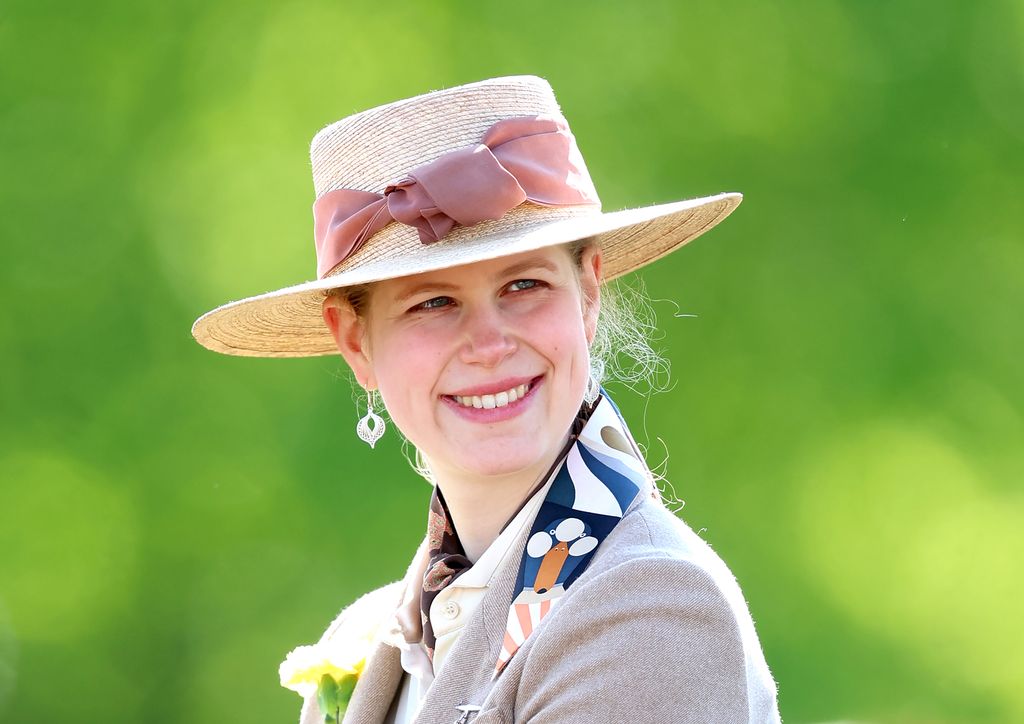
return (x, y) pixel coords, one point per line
(461, 253)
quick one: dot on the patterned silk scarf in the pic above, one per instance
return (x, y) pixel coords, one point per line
(447, 558)
(447, 562)
(596, 477)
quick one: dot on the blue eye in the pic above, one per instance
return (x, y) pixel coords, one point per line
(435, 303)
(522, 284)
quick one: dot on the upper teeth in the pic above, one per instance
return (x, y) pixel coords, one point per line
(489, 402)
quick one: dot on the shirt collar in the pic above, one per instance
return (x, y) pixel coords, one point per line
(481, 573)
(408, 627)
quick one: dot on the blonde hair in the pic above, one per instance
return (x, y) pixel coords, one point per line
(626, 326)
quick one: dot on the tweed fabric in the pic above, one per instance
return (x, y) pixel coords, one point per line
(655, 630)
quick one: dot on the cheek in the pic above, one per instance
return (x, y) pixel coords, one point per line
(406, 367)
(561, 335)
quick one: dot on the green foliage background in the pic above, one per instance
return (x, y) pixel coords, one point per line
(847, 416)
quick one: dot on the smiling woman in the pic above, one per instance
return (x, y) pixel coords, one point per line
(489, 336)
(462, 256)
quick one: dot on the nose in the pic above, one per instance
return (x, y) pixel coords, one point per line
(487, 338)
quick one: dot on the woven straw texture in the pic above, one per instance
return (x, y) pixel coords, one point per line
(371, 149)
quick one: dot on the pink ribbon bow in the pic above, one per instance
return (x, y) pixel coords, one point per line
(530, 158)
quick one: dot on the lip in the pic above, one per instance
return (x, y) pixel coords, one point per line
(493, 388)
(496, 414)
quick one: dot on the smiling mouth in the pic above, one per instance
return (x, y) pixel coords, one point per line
(498, 399)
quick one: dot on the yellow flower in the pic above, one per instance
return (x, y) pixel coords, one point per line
(340, 655)
(303, 668)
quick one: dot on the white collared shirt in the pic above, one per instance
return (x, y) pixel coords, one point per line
(453, 607)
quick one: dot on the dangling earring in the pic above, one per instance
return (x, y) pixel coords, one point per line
(593, 390)
(367, 432)
(593, 386)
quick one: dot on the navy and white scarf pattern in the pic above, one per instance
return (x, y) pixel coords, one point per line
(600, 476)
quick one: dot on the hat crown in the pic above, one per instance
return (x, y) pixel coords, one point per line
(369, 150)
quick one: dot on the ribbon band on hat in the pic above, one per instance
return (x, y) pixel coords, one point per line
(528, 158)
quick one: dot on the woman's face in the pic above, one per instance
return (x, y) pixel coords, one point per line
(484, 366)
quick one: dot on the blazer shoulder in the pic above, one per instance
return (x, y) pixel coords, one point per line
(654, 558)
(665, 617)
(649, 530)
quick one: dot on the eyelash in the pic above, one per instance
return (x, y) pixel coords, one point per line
(426, 306)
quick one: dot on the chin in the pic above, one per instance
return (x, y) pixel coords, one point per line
(500, 463)
(497, 468)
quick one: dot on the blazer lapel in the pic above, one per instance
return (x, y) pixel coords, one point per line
(466, 674)
(617, 486)
(372, 696)
(379, 681)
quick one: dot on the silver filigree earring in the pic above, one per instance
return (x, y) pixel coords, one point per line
(593, 386)
(371, 426)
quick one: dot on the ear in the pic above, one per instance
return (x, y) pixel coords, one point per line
(590, 286)
(349, 332)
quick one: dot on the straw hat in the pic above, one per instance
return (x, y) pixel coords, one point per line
(452, 177)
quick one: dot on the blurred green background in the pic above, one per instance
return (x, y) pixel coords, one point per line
(847, 416)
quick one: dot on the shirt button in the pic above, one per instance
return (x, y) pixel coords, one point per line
(450, 610)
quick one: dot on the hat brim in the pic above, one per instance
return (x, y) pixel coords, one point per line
(288, 322)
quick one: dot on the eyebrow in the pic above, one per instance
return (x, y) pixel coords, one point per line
(512, 270)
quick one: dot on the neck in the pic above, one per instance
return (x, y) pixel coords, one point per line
(481, 505)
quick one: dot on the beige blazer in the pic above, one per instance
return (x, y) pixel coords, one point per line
(655, 630)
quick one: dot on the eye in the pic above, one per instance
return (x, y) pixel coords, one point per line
(520, 285)
(435, 303)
